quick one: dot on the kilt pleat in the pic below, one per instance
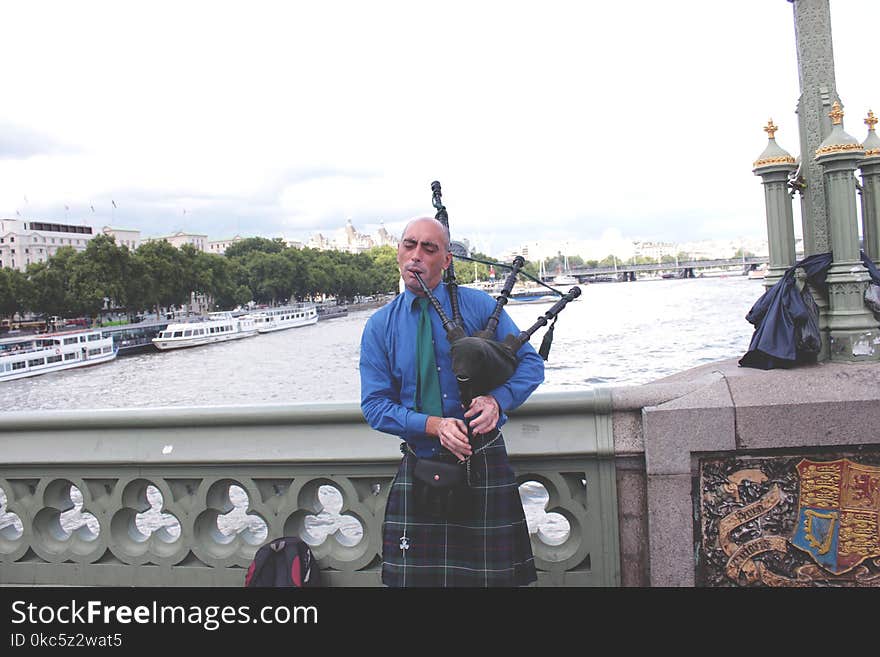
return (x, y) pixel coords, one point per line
(489, 548)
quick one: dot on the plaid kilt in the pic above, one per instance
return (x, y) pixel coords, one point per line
(489, 548)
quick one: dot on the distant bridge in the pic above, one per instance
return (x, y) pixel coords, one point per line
(681, 269)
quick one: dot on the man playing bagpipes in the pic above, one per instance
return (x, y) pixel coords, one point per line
(454, 515)
(490, 545)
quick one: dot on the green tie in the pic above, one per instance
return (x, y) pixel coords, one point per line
(428, 387)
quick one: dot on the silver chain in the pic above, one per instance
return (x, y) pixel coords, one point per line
(467, 461)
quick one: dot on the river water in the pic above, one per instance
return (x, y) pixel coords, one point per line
(614, 334)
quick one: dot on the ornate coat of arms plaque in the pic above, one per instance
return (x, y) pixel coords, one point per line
(789, 521)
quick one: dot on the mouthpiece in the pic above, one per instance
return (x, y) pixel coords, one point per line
(575, 292)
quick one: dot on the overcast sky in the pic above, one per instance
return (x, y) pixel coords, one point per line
(542, 120)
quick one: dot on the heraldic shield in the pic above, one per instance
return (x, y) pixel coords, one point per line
(838, 521)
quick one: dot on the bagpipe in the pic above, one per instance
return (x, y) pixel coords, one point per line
(480, 362)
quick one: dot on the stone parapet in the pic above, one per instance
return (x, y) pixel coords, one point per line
(626, 473)
(737, 414)
(185, 496)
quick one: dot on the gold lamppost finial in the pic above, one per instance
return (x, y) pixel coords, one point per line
(871, 121)
(770, 129)
(836, 114)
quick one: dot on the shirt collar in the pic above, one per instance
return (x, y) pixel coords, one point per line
(439, 291)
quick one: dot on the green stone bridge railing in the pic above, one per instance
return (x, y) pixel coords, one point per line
(185, 496)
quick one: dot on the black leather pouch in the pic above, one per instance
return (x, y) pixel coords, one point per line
(440, 489)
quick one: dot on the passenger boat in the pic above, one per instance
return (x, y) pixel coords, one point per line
(218, 327)
(490, 287)
(285, 317)
(759, 273)
(531, 294)
(519, 294)
(564, 279)
(41, 353)
(537, 297)
(329, 311)
(134, 338)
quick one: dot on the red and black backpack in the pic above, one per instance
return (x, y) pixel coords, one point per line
(284, 562)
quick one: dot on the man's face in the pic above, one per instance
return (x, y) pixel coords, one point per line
(423, 250)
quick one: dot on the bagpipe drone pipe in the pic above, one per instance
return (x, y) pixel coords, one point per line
(480, 362)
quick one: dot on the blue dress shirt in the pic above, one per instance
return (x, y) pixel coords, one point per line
(388, 365)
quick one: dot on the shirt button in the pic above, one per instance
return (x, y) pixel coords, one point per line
(438, 369)
(444, 396)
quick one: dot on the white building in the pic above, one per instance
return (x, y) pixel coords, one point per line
(319, 242)
(23, 242)
(349, 240)
(129, 237)
(654, 250)
(722, 249)
(536, 251)
(218, 247)
(386, 238)
(198, 241)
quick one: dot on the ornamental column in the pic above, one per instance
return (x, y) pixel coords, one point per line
(870, 169)
(815, 55)
(854, 333)
(774, 166)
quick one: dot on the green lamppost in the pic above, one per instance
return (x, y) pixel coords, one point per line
(774, 166)
(870, 169)
(854, 333)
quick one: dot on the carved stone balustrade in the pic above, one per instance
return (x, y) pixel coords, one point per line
(185, 496)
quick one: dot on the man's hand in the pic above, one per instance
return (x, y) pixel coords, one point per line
(452, 434)
(483, 414)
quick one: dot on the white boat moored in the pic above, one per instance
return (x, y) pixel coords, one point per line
(759, 273)
(285, 317)
(531, 294)
(41, 353)
(565, 279)
(218, 327)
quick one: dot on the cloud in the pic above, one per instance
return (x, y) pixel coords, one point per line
(20, 143)
(329, 199)
(554, 122)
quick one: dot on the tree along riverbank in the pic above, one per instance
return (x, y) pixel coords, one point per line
(107, 278)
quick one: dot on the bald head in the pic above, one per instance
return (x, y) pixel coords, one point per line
(423, 250)
(434, 221)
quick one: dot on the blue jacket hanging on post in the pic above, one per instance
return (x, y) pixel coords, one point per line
(782, 315)
(786, 321)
